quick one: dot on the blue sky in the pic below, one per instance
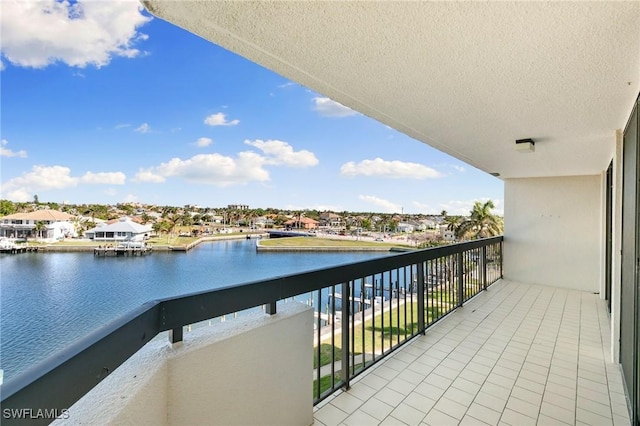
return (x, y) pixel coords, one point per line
(103, 104)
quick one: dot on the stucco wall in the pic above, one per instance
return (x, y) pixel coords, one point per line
(253, 370)
(553, 231)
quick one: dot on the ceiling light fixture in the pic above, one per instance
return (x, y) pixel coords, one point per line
(525, 145)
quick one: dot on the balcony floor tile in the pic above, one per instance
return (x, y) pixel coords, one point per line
(516, 354)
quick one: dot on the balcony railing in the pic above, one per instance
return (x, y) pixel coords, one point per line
(364, 311)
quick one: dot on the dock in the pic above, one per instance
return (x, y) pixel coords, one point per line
(19, 249)
(122, 251)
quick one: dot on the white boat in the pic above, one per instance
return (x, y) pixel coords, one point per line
(7, 244)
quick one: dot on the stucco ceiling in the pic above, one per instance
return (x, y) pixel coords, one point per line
(466, 78)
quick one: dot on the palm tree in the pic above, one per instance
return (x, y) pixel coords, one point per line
(160, 226)
(145, 218)
(453, 223)
(481, 223)
(40, 226)
(173, 220)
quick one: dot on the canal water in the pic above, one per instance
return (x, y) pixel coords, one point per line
(48, 300)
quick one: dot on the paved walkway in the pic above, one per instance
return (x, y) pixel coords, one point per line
(515, 355)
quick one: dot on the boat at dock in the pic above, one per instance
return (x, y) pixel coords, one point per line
(8, 245)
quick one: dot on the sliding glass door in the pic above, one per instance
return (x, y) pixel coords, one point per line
(630, 293)
(608, 256)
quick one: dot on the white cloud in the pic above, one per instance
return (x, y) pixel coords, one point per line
(130, 198)
(202, 142)
(212, 169)
(40, 178)
(281, 153)
(220, 170)
(385, 205)
(422, 207)
(389, 169)
(331, 108)
(104, 178)
(325, 207)
(6, 152)
(45, 178)
(20, 195)
(122, 126)
(219, 119)
(148, 176)
(458, 168)
(143, 128)
(463, 207)
(39, 33)
(111, 192)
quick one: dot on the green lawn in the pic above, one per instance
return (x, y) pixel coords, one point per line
(168, 240)
(380, 333)
(325, 354)
(325, 383)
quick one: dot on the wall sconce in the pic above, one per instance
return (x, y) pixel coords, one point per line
(525, 145)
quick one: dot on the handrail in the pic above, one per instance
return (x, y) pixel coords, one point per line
(62, 379)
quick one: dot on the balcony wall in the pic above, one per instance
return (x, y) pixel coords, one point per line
(220, 375)
(553, 231)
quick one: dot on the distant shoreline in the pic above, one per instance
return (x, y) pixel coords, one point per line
(53, 248)
(323, 249)
(164, 248)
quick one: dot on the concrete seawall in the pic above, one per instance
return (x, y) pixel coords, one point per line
(159, 248)
(89, 249)
(185, 248)
(260, 247)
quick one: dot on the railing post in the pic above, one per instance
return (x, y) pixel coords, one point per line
(501, 255)
(460, 283)
(344, 324)
(420, 290)
(484, 267)
(176, 335)
(270, 308)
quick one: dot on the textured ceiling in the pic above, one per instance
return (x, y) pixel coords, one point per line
(466, 78)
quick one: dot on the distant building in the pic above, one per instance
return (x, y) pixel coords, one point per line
(123, 230)
(263, 222)
(331, 220)
(238, 207)
(405, 227)
(302, 223)
(447, 234)
(57, 225)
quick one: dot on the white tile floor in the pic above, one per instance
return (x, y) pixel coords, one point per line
(515, 355)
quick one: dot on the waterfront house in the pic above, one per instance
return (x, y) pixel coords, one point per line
(406, 227)
(122, 230)
(56, 225)
(263, 222)
(543, 95)
(301, 223)
(331, 220)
